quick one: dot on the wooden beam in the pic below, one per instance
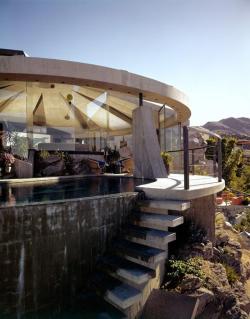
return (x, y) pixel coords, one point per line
(83, 119)
(39, 120)
(5, 86)
(38, 103)
(9, 100)
(112, 110)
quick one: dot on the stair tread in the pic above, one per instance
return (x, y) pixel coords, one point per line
(161, 222)
(119, 265)
(144, 232)
(115, 291)
(178, 205)
(141, 251)
(158, 217)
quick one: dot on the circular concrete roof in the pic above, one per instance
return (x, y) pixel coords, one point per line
(20, 68)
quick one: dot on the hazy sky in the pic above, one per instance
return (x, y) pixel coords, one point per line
(202, 47)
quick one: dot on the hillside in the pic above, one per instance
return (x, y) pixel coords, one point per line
(231, 126)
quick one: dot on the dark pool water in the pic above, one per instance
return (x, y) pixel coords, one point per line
(11, 195)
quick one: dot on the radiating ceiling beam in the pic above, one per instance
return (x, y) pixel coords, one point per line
(5, 86)
(9, 100)
(37, 104)
(82, 119)
(106, 106)
(39, 120)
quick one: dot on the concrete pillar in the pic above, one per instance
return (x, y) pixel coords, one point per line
(202, 213)
(1, 136)
(146, 148)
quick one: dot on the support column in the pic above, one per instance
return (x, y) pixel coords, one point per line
(202, 214)
(1, 137)
(186, 157)
(29, 119)
(146, 149)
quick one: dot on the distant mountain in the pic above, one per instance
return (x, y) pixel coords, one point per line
(239, 127)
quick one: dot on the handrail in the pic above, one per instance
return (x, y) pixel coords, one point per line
(215, 157)
(186, 157)
(219, 160)
(191, 149)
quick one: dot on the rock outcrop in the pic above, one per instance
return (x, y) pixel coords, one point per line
(222, 288)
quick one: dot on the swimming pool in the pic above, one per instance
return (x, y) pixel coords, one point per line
(51, 235)
(14, 194)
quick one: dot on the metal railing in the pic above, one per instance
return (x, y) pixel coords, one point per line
(216, 157)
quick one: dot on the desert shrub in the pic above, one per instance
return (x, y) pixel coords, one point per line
(187, 234)
(176, 269)
(44, 154)
(167, 158)
(232, 276)
(244, 224)
(232, 159)
(68, 161)
(227, 250)
(60, 154)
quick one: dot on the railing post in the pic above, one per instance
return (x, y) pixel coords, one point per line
(193, 162)
(140, 99)
(186, 157)
(1, 136)
(159, 124)
(219, 161)
(214, 161)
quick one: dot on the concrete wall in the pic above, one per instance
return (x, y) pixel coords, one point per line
(48, 250)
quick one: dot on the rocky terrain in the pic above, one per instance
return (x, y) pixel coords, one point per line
(239, 127)
(218, 274)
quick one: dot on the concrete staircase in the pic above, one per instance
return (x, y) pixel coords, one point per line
(135, 265)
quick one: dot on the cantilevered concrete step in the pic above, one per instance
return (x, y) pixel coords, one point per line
(125, 269)
(162, 207)
(161, 222)
(115, 291)
(141, 254)
(149, 237)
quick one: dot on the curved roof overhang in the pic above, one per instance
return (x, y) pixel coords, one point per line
(20, 68)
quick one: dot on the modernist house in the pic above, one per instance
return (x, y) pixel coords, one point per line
(61, 121)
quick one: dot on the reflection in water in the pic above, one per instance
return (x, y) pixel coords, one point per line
(7, 196)
(20, 284)
(78, 188)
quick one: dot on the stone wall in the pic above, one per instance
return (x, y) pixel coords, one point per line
(49, 250)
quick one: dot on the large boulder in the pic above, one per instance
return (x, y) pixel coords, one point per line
(239, 291)
(222, 239)
(80, 167)
(190, 283)
(235, 313)
(205, 297)
(54, 169)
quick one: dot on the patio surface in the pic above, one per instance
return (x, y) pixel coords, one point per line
(172, 187)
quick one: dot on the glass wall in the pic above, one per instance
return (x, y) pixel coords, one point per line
(51, 117)
(49, 129)
(171, 139)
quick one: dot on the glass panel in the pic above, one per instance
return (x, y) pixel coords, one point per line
(41, 120)
(171, 140)
(13, 136)
(51, 128)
